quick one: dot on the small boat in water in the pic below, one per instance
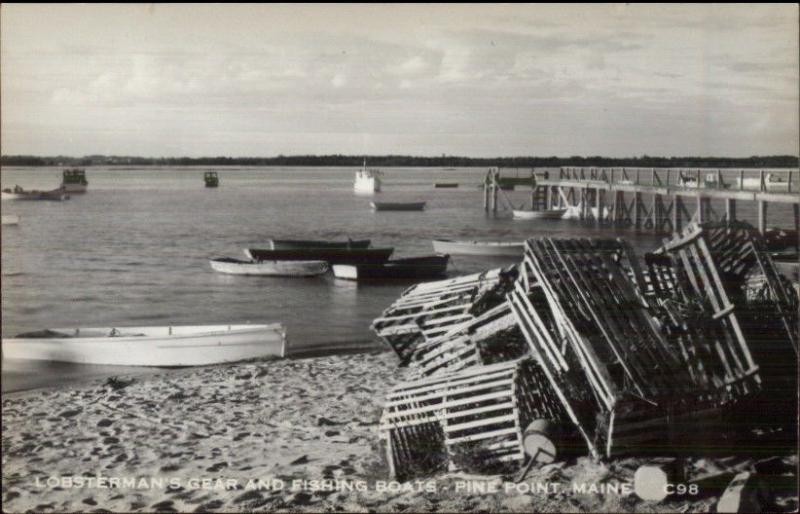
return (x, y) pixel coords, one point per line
(211, 179)
(397, 206)
(548, 214)
(299, 244)
(330, 255)
(367, 180)
(74, 181)
(398, 269)
(270, 268)
(445, 185)
(197, 345)
(487, 248)
(10, 219)
(18, 194)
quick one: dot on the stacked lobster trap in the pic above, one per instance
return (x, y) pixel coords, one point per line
(624, 355)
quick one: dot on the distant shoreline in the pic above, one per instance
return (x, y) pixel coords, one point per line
(769, 161)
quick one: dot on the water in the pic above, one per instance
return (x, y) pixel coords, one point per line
(134, 250)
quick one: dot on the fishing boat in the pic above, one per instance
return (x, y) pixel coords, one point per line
(445, 185)
(330, 255)
(18, 194)
(487, 248)
(269, 268)
(211, 179)
(546, 214)
(10, 219)
(171, 346)
(367, 180)
(298, 244)
(410, 268)
(397, 206)
(74, 181)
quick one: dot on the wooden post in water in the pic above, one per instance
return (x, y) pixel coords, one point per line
(637, 202)
(677, 219)
(762, 215)
(730, 209)
(598, 203)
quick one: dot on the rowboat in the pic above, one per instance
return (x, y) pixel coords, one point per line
(298, 244)
(489, 248)
(411, 268)
(330, 255)
(20, 194)
(397, 206)
(445, 185)
(197, 345)
(548, 214)
(269, 268)
(74, 181)
(10, 219)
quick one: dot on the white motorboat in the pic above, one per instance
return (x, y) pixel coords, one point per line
(488, 248)
(10, 219)
(172, 346)
(270, 268)
(367, 180)
(548, 214)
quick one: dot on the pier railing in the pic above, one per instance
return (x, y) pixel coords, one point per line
(658, 199)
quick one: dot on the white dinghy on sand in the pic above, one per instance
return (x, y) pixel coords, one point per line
(196, 345)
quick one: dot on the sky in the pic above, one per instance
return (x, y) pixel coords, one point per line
(478, 80)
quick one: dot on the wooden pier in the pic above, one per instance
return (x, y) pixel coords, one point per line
(662, 200)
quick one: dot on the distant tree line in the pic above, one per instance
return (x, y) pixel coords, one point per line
(645, 161)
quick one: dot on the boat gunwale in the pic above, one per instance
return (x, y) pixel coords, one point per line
(246, 329)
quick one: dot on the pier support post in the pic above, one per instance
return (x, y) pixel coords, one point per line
(656, 214)
(598, 203)
(730, 209)
(762, 216)
(637, 202)
(677, 214)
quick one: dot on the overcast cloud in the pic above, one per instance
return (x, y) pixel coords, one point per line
(477, 80)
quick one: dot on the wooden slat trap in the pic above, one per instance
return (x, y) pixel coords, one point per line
(431, 310)
(635, 356)
(468, 418)
(714, 266)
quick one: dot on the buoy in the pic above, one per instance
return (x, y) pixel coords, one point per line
(538, 441)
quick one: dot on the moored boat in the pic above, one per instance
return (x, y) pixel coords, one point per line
(211, 179)
(433, 266)
(330, 255)
(10, 219)
(548, 214)
(19, 194)
(297, 244)
(445, 185)
(74, 181)
(172, 346)
(487, 248)
(367, 180)
(398, 206)
(269, 268)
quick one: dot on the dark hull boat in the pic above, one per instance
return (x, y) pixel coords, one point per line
(399, 269)
(303, 244)
(330, 255)
(396, 206)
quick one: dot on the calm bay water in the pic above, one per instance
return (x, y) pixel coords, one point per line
(134, 250)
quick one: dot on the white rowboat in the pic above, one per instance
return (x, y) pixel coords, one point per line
(551, 214)
(270, 268)
(198, 345)
(489, 248)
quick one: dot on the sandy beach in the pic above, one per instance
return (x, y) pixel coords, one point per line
(281, 435)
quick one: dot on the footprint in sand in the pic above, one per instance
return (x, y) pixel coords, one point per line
(217, 467)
